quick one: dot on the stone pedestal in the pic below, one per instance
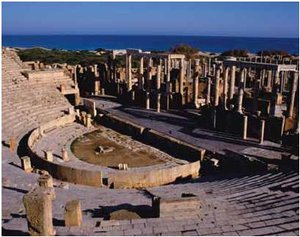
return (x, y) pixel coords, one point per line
(83, 117)
(38, 206)
(26, 164)
(73, 214)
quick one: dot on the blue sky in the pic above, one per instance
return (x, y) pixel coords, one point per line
(198, 18)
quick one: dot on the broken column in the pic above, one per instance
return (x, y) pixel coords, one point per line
(262, 131)
(232, 82)
(26, 164)
(241, 92)
(73, 214)
(38, 206)
(293, 94)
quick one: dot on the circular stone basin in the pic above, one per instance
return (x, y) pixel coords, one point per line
(98, 150)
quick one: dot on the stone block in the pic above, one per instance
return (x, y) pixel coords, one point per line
(73, 214)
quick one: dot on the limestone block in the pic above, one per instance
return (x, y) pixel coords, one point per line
(49, 156)
(26, 164)
(73, 214)
(46, 181)
(38, 206)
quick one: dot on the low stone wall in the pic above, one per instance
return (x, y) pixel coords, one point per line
(126, 178)
(166, 143)
(60, 171)
(131, 179)
(32, 75)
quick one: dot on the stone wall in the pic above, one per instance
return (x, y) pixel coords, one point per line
(166, 143)
(131, 179)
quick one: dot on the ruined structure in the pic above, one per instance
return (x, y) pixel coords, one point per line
(231, 121)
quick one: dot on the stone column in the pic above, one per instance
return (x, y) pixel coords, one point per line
(217, 82)
(293, 94)
(129, 73)
(181, 77)
(158, 82)
(149, 75)
(262, 131)
(208, 90)
(209, 66)
(141, 75)
(232, 82)
(168, 82)
(269, 80)
(245, 127)
(73, 214)
(188, 69)
(38, 206)
(241, 92)
(196, 83)
(255, 96)
(282, 81)
(225, 87)
(158, 103)
(147, 100)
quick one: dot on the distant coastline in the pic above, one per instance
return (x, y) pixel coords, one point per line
(214, 44)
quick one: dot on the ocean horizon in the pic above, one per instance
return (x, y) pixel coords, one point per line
(216, 44)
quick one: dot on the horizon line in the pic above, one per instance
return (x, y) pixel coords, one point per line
(160, 35)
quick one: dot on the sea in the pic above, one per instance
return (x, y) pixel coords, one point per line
(217, 44)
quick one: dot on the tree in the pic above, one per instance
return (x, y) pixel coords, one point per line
(236, 53)
(185, 49)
